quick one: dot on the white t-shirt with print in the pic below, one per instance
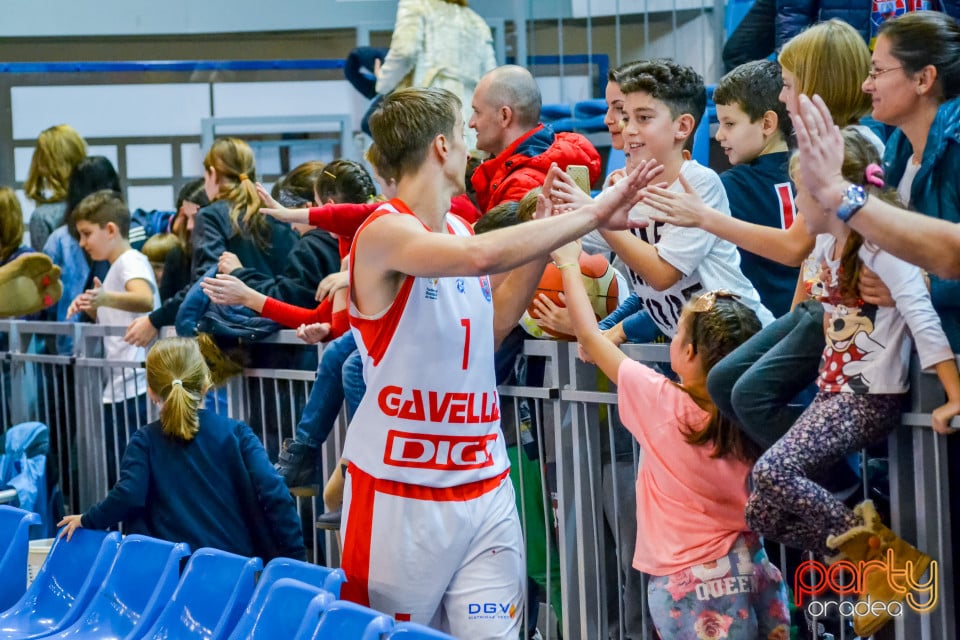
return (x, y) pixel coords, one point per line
(126, 383)
(868, 347)
(706, 261)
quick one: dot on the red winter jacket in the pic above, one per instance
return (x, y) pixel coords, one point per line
(524, 164)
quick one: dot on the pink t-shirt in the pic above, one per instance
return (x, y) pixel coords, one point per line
(689, 505)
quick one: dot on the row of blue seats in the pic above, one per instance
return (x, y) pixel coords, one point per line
(101, 586)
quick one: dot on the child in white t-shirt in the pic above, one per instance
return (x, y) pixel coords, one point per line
(128, 291)
(669, 265)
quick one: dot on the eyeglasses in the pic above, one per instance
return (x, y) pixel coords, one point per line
(707, 301)
(875, 73)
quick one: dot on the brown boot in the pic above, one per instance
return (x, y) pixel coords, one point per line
(882, 559)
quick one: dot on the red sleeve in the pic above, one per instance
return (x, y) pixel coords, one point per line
(463, 206)
(342, 219)
(292, 316)
(339, 323)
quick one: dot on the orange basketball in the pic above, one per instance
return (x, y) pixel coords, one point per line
(599, 280)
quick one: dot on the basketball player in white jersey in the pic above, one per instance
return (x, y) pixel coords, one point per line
(430, 529)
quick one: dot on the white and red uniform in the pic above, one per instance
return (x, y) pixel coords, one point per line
(430, 530)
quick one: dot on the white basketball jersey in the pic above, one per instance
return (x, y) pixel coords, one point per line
(430, 415)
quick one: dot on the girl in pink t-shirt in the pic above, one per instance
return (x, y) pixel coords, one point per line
(710, 576)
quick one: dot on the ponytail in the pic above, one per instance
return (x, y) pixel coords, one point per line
(232, 159)
(178, 375)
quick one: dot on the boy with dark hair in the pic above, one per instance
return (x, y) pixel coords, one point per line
(663, 103)
(754, 128)
(128, 291)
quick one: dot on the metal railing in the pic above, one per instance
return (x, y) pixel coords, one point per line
(574, 468)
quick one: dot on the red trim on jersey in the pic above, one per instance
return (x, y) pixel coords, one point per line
(356, 555)
(459, 493)
(378, 333)
(787, 208)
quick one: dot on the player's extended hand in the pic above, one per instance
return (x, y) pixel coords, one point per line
(140, 332)
(313, 333)
(613, 209)
(228, 262)
(873, 290)
(331, 284)
(69, 524)
(942, 416)
(683, 209)
(552, 316)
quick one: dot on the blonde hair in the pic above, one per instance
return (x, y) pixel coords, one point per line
(232, 159)
(178, 375)
(832, 60)
(59, 149)
(159, 245)
(11, 223)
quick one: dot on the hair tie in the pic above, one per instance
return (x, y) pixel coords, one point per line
(177, 382)
(243, 177)
(874, 175)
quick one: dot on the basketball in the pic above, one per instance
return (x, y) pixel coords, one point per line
(601, 284)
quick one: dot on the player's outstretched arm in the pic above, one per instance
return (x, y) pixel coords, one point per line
(401, 244)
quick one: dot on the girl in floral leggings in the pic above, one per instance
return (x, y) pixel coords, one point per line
(862, 381)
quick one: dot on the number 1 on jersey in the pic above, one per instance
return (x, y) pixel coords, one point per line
(465, 323)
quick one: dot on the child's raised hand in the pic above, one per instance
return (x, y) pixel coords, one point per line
(564, 192)
(942, 416)
(567, 254)
(616, 203)
(683, 209)
(266, 199)
(552, 316)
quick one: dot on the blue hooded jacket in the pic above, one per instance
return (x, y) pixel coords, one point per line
(935, 192)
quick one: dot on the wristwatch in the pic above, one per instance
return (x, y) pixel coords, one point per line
(853, 199)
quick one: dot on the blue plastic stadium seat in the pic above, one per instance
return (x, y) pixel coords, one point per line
(341, 620)
(14, 547)
(564, 124)
(321, 578)
(616, 160)
(586, 109)
(324, 577)
(141, 582)
(414, 631)
(213, 591)
(553, 112)
(701, 137)
(279, 613)
(63, 588)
